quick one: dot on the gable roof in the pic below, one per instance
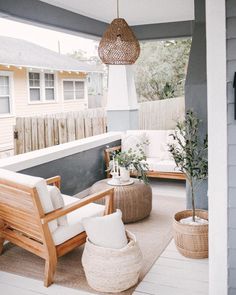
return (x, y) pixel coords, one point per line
(20, 53)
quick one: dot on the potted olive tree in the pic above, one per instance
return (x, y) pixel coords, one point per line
(190, 154)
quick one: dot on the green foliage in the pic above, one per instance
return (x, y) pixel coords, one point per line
(190, 152)
(161, 69)
(134, 160)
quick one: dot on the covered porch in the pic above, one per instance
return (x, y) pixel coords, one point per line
(205, 92)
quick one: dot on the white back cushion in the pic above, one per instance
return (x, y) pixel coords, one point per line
(57, 202)
(107, 231)
(156, 139)
(131, 139)
(32, 182)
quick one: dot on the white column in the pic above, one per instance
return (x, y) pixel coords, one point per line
(122, 106)
(217, 129)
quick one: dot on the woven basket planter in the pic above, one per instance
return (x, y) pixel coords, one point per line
(112, 270)
(191, 240)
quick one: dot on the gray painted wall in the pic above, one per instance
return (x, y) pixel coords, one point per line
(231, 68)
(196, 88)
(78, 171)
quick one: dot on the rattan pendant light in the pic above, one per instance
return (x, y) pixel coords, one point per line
(118, 45)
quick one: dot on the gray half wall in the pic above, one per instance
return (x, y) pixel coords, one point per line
(78, 171)
(122, 120)
(196, 89)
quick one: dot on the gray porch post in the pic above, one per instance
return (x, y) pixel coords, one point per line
(122, 106)
(196, 87)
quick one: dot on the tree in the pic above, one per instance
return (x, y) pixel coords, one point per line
(161, 69)
(190, 153)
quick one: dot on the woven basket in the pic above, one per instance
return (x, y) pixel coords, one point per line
(112, 270)
(118, 45)
(191, 240)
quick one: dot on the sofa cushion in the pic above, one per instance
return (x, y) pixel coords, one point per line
(156, 139)
(58, 202)
(74, 224)
(133, 139)
(107, 231)
(32, 182)
(162, 166)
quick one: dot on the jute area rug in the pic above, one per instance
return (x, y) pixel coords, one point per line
(153, 234)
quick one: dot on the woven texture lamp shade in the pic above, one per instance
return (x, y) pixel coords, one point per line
(119, 46)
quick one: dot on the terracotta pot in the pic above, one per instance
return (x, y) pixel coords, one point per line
(191, 240)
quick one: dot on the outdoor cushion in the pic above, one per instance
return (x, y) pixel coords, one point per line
(32, 182)
(162, 166)
(156, 139)
(107, 231)
(130, 140)
(58, 202)
(74, 224)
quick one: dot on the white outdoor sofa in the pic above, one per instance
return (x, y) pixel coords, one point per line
(160, 161)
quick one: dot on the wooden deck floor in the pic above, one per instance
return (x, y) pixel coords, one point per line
(172, 274)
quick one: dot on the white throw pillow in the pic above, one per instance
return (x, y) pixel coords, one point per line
(107, 231)
(57, 202)
(132, 141)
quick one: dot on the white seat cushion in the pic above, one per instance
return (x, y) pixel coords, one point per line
(162, 166)
(32, 182)
(106, 231)
(74, 224)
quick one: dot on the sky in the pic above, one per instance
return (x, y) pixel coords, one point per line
(47, 38)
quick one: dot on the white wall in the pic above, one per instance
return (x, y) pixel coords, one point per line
(217, 130)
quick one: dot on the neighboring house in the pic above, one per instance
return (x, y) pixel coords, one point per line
(35, 80)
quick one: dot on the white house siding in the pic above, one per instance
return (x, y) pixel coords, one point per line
(231, 68)
(22, 107)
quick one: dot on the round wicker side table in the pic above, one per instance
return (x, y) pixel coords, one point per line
(134, 200)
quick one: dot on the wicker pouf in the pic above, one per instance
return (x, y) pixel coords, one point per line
(112, 270)
(134, 201)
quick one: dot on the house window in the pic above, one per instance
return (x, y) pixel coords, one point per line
(5, 93)
(41, 87)
(73, 90)
(34, 85)
(49, 86)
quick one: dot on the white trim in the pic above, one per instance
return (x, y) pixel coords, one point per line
(35, 158)
(218, 178)
(42, 87)
(74, 99)
(50, 69)
(9, 74)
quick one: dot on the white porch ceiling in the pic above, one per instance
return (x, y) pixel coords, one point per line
(136, 12)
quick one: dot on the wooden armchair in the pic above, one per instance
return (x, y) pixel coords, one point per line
(24, 223)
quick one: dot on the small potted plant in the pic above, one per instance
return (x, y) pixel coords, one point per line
(190, 154)
(133, 160)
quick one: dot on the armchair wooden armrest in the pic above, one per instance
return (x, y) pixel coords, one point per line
(107, 156)
(108, 193)
(55, 180)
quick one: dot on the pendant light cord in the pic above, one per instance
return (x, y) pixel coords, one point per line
(117, 8)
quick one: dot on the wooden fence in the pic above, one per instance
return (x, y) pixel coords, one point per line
(161, 114)
(37, 132)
